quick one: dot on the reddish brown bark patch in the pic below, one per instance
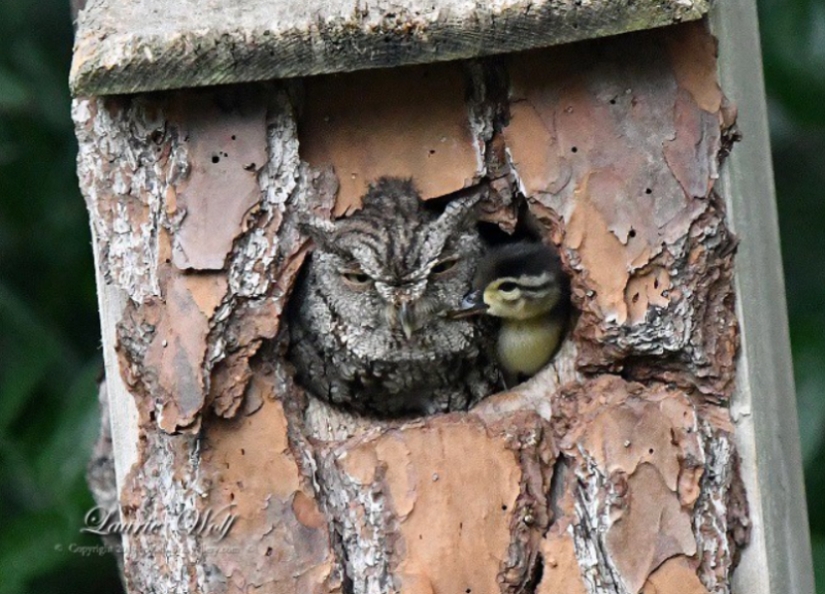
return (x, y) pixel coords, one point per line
(640, 457)
(407, 496)
(225, 134)
(279, 539)
(618, 141)
(407, 122)
(675, 576)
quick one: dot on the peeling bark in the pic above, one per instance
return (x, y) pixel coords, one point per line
(611, 471)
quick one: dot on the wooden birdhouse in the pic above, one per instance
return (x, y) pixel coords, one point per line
(657, 452)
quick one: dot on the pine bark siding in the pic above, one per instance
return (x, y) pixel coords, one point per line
(611, 471)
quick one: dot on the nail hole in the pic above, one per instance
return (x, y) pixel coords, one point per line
(503, 508)
(234, 137)
(574, 149)
(216, 159)
(648, 191)
(632, 233)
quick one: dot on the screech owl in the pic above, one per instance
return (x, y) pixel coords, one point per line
(368, 329)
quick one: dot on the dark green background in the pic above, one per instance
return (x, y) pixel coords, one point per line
(49, 351)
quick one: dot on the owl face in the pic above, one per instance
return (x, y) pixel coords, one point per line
(389, 272)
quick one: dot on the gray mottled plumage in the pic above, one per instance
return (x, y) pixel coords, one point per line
(368, 329)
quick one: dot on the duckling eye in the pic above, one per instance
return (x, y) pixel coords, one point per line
(443, 266)
(355, 277)
(507, 287)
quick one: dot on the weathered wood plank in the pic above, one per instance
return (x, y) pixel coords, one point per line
(763, 407)
(127, 47)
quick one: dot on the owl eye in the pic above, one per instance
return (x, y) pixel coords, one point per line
(356, 278)
(507, 287)
(443, 266)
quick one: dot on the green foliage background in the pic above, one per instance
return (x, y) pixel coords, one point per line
(49, 353)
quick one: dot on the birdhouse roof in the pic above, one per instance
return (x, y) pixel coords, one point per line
(147, 45)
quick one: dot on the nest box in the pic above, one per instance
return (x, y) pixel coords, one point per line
(645, 458)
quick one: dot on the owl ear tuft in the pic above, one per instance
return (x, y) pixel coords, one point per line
(322, 231)
(457, 214)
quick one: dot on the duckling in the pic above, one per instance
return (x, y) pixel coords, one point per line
(524, 285)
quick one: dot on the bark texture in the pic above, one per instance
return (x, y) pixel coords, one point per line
(611, 471)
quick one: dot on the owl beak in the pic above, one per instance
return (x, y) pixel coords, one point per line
(472, 304)
(407, 319)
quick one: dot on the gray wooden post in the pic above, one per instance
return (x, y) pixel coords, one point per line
(779, 558)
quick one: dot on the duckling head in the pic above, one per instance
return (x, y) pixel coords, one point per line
(518, 281)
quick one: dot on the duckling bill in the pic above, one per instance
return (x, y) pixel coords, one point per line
(524, 285)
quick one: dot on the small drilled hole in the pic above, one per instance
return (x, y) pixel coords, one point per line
(574, 149)
(648, 191)
(216, 159)
(632, 233)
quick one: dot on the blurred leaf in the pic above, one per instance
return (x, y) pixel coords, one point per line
(18, 476)
(818, 550)
(25, 369)
(19, 317)
(30, 546)
(49, 102)
(810, 398)
(13, 95)
(61, 464)
(793, 41)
